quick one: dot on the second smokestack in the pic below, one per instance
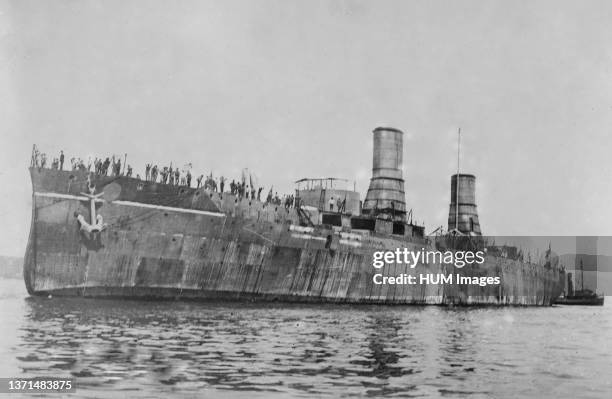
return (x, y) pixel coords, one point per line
(468, 215)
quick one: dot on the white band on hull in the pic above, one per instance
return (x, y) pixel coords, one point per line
(62, 196)
(131, 203)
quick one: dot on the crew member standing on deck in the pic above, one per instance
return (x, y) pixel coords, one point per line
(61, 160)
(331, 204)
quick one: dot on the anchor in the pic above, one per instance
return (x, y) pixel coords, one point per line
(97, 222)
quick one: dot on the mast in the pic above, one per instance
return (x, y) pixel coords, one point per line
(581, 276)
(457, 182)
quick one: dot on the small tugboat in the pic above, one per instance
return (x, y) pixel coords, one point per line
(579, 297)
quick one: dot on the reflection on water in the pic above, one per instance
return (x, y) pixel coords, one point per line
(151, 349)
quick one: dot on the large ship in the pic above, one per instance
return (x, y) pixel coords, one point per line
(95, 235)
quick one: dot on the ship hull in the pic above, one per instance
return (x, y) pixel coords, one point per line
(198, 245)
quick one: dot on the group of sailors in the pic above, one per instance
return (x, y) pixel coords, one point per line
(243, 190)
(101, 167)
(167, 175)
(237, 187)
(249, 192)
(112, 166)
(39, 160)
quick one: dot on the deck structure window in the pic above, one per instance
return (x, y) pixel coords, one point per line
(363, 224)
(332, 219)
(399, 228)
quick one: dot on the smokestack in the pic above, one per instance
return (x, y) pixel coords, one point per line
(467, 216)
(385, 195)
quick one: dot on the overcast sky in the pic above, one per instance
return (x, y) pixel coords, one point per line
(293, 89)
